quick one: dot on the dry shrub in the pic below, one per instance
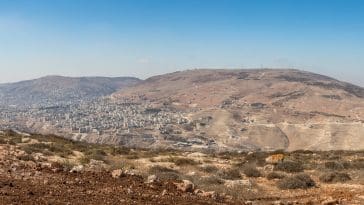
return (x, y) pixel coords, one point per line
(257, 158)
(26, 157)
(47, 149)
(209, 168)
(184, 161)
(96, 154)
(334, 177)
(119, 151)
(289, 166)
(298, 181)
(333, 165)
(251, 171)
(164, 173)
(229, 174)
(275, 175)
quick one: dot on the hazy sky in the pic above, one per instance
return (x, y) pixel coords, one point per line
(146, 37)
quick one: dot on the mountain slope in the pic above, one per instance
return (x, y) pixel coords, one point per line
(260, 109)
(58, 89)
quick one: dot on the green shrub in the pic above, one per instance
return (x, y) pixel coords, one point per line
(289, 166)
(334, 177)
(298, 181)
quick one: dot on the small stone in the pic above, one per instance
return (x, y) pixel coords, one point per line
(210, 194)
(248, 203)
(77, 169)
(25, 140)
(198, 191)
(185, 186)
(45, 165)
(330, 202)
(117, 173)
(278, 203)
(151, 179)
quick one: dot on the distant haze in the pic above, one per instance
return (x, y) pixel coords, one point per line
(142, 38)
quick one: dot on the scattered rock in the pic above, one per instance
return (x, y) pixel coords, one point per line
(151, 179)
(210, 194)
(95, 165)
(278, 203)
(77, 169)
(39, 157)
(25, 140)
(330, 202)
(268, 168)
(243, 182)
(117, 173)
(30, 164)
(198, 191)
(164, 192)
(185, 186)
(129, 172)
(45, 165)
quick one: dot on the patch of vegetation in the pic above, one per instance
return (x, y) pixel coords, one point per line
(357, 164)
(10, 137)
(257, 158)
(334, 177)
(164, 173)
(275, 175)
(334, 165)
(26, 157)
(84, 160)
(229, 174)
(298, 181)
(47, 149)
(96, 154)
(119, 151)
(133, 156)
(211, 180)
(36, 148)
(289, 166)
(185, 162)
(251, 171)
(209, 168)
(3, 141)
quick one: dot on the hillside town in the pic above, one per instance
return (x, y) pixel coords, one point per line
(97, 116)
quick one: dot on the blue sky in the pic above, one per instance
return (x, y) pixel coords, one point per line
(147, 37)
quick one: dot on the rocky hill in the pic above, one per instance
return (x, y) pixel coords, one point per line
(259, 109)
(51, 90)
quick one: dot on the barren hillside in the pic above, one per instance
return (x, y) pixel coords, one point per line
(264, 109)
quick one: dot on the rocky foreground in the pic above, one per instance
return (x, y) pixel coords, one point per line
(28, 182)
(37, 169)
